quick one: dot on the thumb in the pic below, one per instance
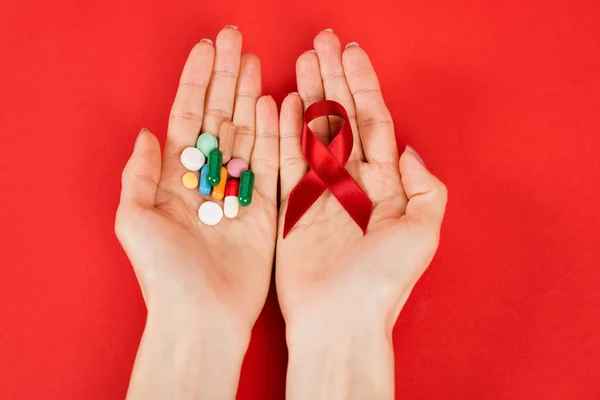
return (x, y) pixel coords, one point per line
(142, 172)
(427, 195)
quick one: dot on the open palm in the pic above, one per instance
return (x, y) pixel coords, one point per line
(326, 269)
(223, 270)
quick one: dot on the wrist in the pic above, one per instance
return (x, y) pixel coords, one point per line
(330, 330)
(340, 361)
(186, 318)
(184, 352)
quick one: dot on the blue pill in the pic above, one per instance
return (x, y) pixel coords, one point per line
(203, 186)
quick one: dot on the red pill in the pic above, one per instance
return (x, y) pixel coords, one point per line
(231, 206)
(232, 187)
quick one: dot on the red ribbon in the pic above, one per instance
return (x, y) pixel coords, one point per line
(327, 170)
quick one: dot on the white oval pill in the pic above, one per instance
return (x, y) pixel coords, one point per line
(231, 206)
(192, 158)
(210, 213)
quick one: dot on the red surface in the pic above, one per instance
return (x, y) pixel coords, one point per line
(501, 99)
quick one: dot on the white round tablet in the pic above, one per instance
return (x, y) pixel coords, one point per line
(192, 158)
(210, 213)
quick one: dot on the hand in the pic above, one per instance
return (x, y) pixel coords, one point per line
(195, 277)
(339, 291)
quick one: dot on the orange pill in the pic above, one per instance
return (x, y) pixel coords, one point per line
(226, 138)
(190, 180)
(218, 191)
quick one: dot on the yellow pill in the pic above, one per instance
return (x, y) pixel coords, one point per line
(219, 190)
(190, 180)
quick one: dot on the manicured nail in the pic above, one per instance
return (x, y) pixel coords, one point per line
(231, 26)
(328, 30)
(414, 153)
(352, 44)
(207, 40)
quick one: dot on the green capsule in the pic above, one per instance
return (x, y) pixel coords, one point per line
(215, 162)
(246, 188)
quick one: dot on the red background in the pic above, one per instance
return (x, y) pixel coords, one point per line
(500, 98)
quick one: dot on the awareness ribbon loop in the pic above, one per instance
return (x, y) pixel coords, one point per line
(327, 170)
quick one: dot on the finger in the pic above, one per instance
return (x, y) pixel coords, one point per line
(265, 156)
(221, 91)
(186, 115)
(292, 165)
(244, 115)
(427, 195)
(329, 52)
(374, 120)
(142, 172)
(310, 88)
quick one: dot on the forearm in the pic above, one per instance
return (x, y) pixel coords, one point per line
(337, 363)
(182, 357)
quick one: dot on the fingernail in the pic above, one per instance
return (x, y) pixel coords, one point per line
(352, 44)
(138, 136)
(414, 153)
(328, 30)
(312, 51)
(207, 40)
(231, 26)
(293, 92)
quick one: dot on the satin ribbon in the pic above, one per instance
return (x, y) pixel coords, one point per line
(327, 170)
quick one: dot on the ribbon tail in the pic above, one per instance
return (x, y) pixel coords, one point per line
(359, 209)
(352, 198)
(301, 198)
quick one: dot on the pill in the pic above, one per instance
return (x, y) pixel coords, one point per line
(246, 188)
(203, 186)
(231, 205)
(190, 180)
(192, 158)
(210, 213)
(215, 162)
(218, 191)
(226, 138)
(206, 143)
(235, 166)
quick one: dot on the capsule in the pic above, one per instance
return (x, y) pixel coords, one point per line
(231, 205)
(218, 191)
(215, 162)
(226, 139)
(246, 188)
(203, 186)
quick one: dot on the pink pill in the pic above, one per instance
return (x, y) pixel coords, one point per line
(235, 166)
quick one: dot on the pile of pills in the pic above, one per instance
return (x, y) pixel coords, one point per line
(222, 177)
